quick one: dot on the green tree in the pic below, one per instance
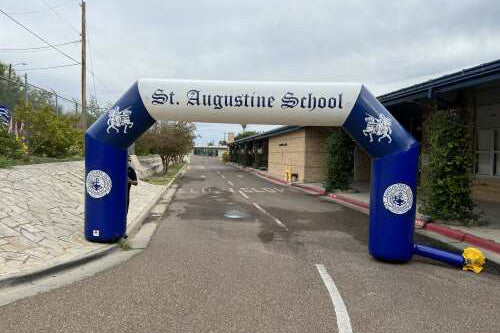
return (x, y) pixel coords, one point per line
(243, 135)
(10, 91)
(340, 161)
(169, 140)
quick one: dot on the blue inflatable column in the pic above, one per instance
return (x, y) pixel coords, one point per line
(106, 143)
(394, 175)
(106, 170)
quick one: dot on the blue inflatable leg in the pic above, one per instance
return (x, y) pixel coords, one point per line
(451, 258)
(106, 191)
(393, 205)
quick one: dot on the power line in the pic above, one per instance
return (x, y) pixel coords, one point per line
(94, 76)
(37, 48)
(92, 71)
(107, 62)
(61, 17)
(38, 36)
(41, 10)
(50, 67)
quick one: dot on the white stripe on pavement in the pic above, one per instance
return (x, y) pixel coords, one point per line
(230, 183)
(343, 321)
(278, 222)
(243, 194)
(231, 190)
(224, 177)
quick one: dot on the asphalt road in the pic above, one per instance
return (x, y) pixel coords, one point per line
(236, 253)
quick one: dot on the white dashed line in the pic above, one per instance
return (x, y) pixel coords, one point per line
(231, 190)
(230, 183)
(278, 222)
(343, 321)
(243, 194)
(224, 177)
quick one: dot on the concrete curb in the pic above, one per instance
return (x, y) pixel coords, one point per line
(132, 229)
(454, 234)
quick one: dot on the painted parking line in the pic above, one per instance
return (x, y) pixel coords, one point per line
(262, 190)
(343, 320)
(243, 194)
(244, 190)
(278, 222)
(224, 177)
(230, 183)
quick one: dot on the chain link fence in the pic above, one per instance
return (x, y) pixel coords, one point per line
(13, 91)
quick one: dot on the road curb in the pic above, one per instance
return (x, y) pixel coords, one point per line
(451, 233)
(132, 229)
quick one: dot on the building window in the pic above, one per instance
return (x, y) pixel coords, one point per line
(488, 153)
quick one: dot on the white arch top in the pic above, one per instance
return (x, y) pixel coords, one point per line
(292, 103)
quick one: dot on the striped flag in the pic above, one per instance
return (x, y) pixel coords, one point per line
(4, 115)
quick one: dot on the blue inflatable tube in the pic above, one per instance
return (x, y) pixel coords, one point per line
(394, 175)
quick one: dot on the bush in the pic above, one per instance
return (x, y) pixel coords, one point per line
(50, 134)
(447, 177)
(340, 162)
(9, 146)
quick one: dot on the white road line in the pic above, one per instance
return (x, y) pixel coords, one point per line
(343, 321)
(230, 183)
(278, 222)
(231, 190)
(224, 177)
(243, 194)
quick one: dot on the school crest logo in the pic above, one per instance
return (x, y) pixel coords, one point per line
(118, 119)
(380, 127)
(98, 184)
(398, 198)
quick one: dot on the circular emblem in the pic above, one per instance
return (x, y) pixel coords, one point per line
(98, 184)
(398, 198)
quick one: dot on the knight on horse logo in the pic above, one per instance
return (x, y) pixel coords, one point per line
(118, 119)
(380, 127)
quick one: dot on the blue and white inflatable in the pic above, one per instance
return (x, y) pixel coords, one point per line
(352, 106)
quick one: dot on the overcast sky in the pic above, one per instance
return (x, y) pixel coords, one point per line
(385, 44)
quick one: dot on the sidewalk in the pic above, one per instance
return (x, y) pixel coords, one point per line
(486, 237)
(41, 216)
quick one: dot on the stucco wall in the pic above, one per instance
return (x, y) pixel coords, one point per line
(316, 154)
(362, 166)
(287, 152)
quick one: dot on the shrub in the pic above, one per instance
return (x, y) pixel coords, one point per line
(340, 162)
(50, 134)
(9, 146)
(447, 178)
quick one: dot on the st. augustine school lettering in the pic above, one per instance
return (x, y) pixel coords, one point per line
(288, 101)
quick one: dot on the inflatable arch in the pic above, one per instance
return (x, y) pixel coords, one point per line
(352, 106)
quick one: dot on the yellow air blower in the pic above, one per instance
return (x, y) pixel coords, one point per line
(474, 260)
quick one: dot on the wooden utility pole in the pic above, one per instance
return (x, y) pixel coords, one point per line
(84, 70)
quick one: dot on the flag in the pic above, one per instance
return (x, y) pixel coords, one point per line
(4, 115)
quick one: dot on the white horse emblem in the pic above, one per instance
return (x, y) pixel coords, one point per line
(380, 127)
(118, 119)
